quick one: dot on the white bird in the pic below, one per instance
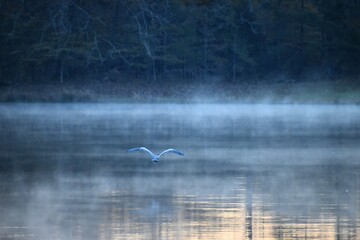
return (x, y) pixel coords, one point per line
(155, 157)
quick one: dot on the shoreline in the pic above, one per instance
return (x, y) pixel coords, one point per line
(338, 93)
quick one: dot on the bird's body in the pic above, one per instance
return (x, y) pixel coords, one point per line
(155, 157)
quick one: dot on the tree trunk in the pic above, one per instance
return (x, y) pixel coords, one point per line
(153, 69)
(250, 6)
(205, 45)
(62, 72)
(234, 60)
(302, 27)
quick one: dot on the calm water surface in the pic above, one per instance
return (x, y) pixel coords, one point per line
(249, 172)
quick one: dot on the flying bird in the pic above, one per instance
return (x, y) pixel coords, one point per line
(155, 157)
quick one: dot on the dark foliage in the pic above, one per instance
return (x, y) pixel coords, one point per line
(42, 41)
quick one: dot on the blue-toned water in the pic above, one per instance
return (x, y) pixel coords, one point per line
(249, 171)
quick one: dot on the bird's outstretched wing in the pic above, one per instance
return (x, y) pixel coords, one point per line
(172, 151)
(142, 149)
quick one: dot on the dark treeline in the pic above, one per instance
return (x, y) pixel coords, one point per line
(231, 40)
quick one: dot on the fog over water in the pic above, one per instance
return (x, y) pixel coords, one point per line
(249, 171)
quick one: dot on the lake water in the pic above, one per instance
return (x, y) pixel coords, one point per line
(249, 171)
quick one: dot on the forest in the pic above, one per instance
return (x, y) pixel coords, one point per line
(178, 41)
